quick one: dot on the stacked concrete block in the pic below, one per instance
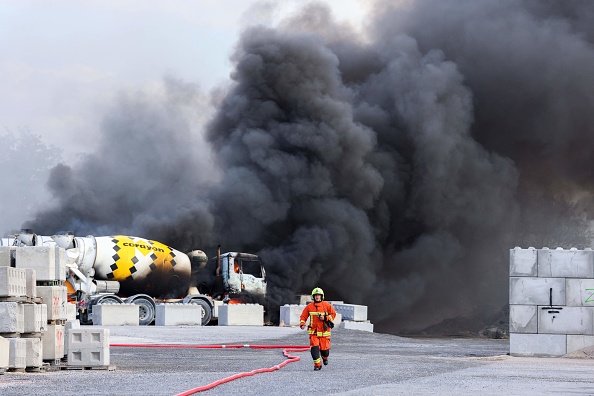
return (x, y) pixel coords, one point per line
(551, 300)
(35, 318)
(33, 352)
(40, 258)
(31, 283)
(4, 353)
(13, 282)
(88, 347)
(290, 314)
(241, 315)
(178, 315)
(354, 325)
(354, 317)
(11, 317)
(53, 342)
(116, 315)
(7, 255)
(70, 311)
(56, 298)
(17, 354)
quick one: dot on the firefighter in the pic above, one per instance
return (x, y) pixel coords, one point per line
(321, 315)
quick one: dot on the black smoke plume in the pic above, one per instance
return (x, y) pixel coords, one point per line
(394, 169)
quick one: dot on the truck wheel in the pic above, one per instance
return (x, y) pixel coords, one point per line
(206, 312)
(146, 311)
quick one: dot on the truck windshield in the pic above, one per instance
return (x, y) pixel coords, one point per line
(251, 267)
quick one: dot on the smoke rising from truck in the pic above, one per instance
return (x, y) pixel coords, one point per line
(393, 170)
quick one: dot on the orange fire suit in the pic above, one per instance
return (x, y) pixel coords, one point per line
(318, 329)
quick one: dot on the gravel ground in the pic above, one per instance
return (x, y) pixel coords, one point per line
(360, 364)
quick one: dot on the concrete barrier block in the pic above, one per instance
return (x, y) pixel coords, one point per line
(4, 352)
(356, 325)
(17, 353)
(217, 304)
(523, 262)
(34, 352)
(13, 282)
(241, 315)
(61, 271)
(577, 342)
(12, 319)
(178, 315)
(565, 320)
(579, 292)
(88, 357)
(70, 311)
(33, 318)
(537, 344)
(40, 258)
(31, 282)
(290, 314)
(52, 340)
(523, 319)
(56, 298)
(536, 291)
(87, 338)
(7, 254)
(560, 263)
(116, 315)
(352, 311)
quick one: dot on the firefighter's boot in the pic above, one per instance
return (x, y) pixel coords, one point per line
(315, 354)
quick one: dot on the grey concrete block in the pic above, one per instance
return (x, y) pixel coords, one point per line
(4, 352)
(7, 254)
(17, 354)
(217, 304)
(12, 319)
(56, 298)
(565, 320)
(116, 315)
(88, 357)
(290, 314)
(577, 342)
(34, 321)
(40, 258)
(560, 263)
(70, 311)
(61, 271)
(536, 291)
(537, 344)
(13, 282)
(31, 282)
(523, 262)
(353, 325)
(241, 315)
(53, 342)
(351, 311)
(34, 352)
(579, 292)
(523, 319)
(178, 315)
(87, 338)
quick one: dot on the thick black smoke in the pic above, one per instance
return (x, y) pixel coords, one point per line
(394, 170)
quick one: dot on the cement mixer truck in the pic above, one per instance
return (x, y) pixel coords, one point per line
(127, 269)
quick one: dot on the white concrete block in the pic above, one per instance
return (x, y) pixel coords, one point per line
(43, 317)
(70, 311)
(178, 315)
(61, 271)
(12, 319)
(352, 311)
(523, 262)
(17, 354)
(40, 258)
(34, 352)
(7, 254)
(53, 342)
(56, 298)
(217, 304)
(241, 315)
(579, 292)
(523, 319)
(31, 282)
(536, 291)
(577, 342)
(13, 282)
(4, 352)
(565, 320)
(88, 357)
(116, 315)
(34, 321)
(537, 344)
(305, 299)
(356, 325)
(560, 263)
(290, 314)
(87, 338)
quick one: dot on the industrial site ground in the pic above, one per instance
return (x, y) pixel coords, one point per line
(361, 363)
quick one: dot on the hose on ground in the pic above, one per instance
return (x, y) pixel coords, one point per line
(287, 349)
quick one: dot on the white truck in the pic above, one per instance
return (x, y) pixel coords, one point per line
(127, 269)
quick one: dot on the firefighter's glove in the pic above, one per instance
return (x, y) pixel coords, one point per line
(322, 317)
(302, 326)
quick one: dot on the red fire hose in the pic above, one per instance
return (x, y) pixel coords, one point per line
(287, 349)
